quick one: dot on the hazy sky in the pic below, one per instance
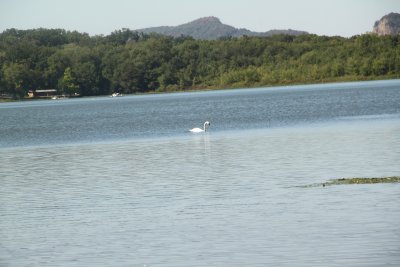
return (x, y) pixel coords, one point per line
(323, 17)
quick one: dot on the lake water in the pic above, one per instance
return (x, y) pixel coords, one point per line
(121, 182)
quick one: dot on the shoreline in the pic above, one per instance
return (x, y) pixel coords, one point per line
(216, 88)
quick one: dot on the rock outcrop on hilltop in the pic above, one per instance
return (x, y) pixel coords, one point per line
(388, 25)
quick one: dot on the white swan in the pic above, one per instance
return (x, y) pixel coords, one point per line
(198, 130)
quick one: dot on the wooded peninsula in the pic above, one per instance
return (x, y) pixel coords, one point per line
(127, 62)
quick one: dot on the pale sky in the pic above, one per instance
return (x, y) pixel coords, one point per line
(323, 17)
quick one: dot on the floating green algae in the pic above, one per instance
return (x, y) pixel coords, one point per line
(391, 179)
(358, 180)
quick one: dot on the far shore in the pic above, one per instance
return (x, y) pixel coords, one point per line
(339, 80)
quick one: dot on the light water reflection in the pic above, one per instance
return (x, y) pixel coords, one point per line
(228, 198)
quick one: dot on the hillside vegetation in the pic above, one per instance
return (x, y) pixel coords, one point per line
(129, 62)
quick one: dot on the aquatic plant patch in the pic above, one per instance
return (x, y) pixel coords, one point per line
(358, 180)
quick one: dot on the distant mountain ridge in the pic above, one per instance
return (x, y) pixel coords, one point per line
(211, 28)
(388, 25)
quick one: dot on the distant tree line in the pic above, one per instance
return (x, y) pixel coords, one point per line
(130, 62)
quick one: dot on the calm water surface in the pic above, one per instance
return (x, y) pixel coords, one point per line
(120, 182)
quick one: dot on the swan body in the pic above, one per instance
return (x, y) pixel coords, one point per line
(198, 130)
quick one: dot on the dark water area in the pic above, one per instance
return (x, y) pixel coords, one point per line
(100, 119)
(121, 181)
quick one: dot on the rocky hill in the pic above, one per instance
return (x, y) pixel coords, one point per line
(211, 28)
(388, 25)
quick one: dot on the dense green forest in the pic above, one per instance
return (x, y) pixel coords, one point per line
(129, 62)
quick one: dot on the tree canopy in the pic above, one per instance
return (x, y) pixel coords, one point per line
(129, 62)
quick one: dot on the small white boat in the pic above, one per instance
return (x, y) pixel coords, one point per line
(116, 95)
(58, 97)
